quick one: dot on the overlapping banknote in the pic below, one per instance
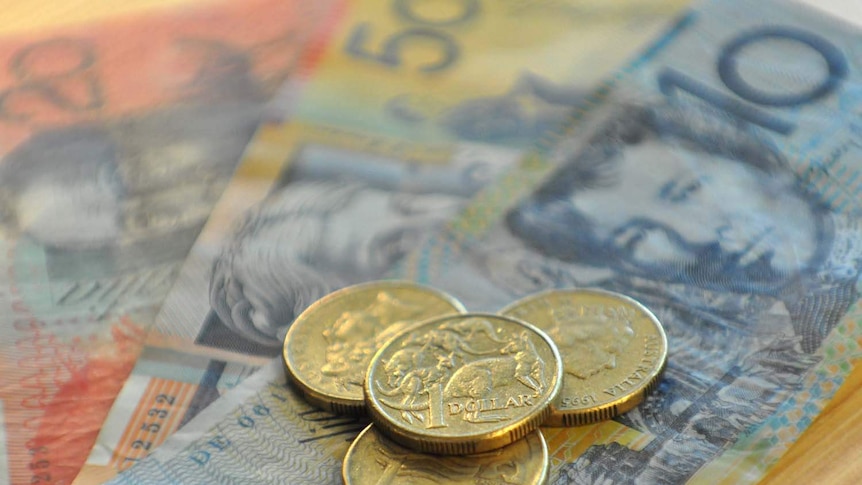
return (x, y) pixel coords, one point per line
(716, 179)
(116, 138)
(407, 114)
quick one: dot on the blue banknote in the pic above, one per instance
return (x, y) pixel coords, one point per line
(715, 179)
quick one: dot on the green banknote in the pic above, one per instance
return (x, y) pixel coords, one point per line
(715, 179)
(337, 186)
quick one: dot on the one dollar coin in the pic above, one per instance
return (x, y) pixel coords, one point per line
(463, 384)
(614, 350)
(328, 347)
(374, 459)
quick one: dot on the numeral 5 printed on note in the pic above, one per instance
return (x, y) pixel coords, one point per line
(420, 27)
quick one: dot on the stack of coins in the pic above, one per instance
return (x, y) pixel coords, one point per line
(458, 397)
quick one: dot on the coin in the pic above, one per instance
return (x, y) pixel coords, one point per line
(614, 350)
(373, 458)
(463, 384)
(328, 347)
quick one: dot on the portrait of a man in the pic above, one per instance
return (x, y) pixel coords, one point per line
(682, 195)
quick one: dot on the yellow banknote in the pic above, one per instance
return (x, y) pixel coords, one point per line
(409, 112)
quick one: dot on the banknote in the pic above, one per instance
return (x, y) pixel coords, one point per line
(325, 199)
(116, 138)
(715, 179)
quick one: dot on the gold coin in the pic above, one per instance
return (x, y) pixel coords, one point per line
(463, 384)
(614, 351)
(373, 459)
(328, 347)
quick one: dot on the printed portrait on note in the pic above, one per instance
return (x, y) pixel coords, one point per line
(678, 195)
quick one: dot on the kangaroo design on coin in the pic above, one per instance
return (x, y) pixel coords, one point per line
(374, 459)
(614, 350)
(463, 383)
(328, 347)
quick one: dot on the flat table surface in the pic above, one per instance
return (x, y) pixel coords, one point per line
(828, 452)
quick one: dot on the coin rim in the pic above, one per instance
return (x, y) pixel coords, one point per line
(602, 412)
(339, 404)
(466, 444)
(544, 472)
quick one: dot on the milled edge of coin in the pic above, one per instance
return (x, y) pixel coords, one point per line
(322, 400)
(603, 412)
(470, 444)
(543, 443)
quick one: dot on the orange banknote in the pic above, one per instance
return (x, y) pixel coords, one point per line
(115, 140)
